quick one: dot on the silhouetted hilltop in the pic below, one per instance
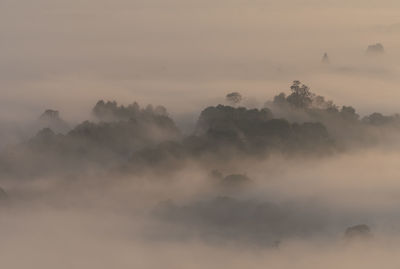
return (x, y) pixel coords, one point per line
(325, 59)
(104, 143)
(128, 127)
(227, 117)
(229, 218)
(51, 119)
(377, 119)
(375, 49)
(256, 130)
(343, 123)
(233, 98)
(130, 138)
(358, 232)
(111, 111)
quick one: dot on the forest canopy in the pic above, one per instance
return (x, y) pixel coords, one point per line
(134, 137)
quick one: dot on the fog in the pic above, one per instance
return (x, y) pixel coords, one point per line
(69, 53)
(121, 147)
(107, 222)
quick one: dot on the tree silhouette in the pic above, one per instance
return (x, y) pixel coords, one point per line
(301, 96)
(233, 98)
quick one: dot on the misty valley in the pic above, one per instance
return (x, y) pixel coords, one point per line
(186, 134)
(267, 179)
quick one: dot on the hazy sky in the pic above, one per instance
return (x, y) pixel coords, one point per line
(68, 54)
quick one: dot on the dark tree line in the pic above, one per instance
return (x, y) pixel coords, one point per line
(133, 137)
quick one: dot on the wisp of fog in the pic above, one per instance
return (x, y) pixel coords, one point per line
(199, 134)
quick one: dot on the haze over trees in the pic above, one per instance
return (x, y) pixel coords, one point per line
(375, 49)
(234, 98)
(199, 134)
(52, 119)
(358, 232)
(325, 59)
(143, 146)
(132, 137)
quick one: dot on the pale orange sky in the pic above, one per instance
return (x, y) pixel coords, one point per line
(67, 54)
